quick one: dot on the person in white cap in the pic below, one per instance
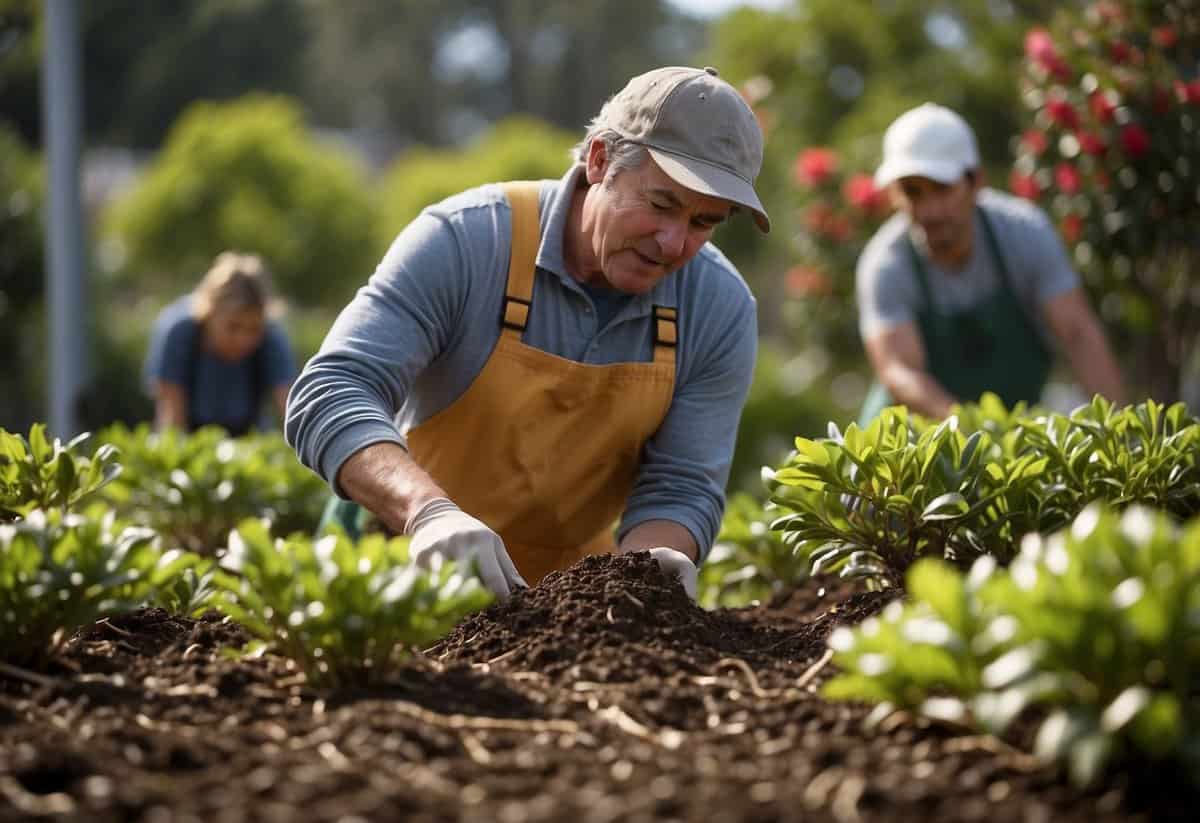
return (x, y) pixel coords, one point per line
(533, 362)
(967, 289)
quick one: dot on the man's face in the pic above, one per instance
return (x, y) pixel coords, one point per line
(233, 334)
(642, 225)
(944, 211)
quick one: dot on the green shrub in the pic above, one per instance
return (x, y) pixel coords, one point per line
(342, 610)
(194, 488)
(247, 175)
(870, 502)
(37, 473)
(749, 562)
(59, 572)
(1096, 629)
(518, 148)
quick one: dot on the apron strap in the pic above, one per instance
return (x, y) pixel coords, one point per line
(993, 245)
(522, 261)
(666, 333)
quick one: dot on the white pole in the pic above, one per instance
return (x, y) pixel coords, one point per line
(64, 237)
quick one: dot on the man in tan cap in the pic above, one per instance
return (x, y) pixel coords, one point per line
(533, 363)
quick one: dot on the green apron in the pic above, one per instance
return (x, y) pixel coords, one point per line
(353, 519)
(991, 346)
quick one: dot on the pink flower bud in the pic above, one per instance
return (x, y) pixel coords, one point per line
(814, 166)
(861, 193)
(1023, 185)
(1067, 178)
(1034, 141)
(1062, 113)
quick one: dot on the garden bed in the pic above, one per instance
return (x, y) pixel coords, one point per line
(601, 694)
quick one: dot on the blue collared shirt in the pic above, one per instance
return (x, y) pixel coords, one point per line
(416, 336)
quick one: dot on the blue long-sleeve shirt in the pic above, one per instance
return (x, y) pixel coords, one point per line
(416, 336)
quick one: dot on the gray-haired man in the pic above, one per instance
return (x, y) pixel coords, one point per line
(532, 362)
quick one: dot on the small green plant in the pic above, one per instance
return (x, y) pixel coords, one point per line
(749, 562)
(39, 473)
(869, 502)
(343, 611)
(61, 572)
(194, 488)
(1095, 629)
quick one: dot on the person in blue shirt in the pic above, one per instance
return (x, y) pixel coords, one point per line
(217, 354)
(542, 371)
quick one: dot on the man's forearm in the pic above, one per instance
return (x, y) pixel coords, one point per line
(1094, 365)
(653, 534)
(918, 390)
(385, 480)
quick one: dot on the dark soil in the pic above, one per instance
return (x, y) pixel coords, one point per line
(602, 694)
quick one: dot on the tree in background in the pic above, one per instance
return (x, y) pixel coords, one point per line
(21, 286)
(1111, 148)
(519, 148)
(248, 175)
(439, 73)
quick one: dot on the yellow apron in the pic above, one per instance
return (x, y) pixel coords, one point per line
(542, 449)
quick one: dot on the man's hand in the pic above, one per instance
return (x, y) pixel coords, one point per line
(675, 563)
(442, 531)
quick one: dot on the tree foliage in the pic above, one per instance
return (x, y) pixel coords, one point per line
(519, 148)
(1111, 148)
(248, 175)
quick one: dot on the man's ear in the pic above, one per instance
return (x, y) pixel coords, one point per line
(597, 161)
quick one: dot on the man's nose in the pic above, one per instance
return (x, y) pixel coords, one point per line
(671, 237)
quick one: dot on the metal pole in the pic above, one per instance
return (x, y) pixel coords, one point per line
(64, 237)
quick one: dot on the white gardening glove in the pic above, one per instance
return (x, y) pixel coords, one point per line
(675, 563)
(442, 531)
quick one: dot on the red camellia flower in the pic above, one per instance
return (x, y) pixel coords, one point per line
(1161, 100)
(1040, 48)
(1035, 141)
(1134, 140)
(1120, 52)
(1062, 113)
(860, 192)
(1067, 178)
(1023, 185)
(814, 166)
(1102, 105)
(806, 281)
(1165, 37)
(1188, 92)
(1091, 143)
(1072, 228)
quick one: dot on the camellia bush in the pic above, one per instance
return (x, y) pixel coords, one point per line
(1111, 149)
(343, 610)
(839, 210)
(1094, 632)
(193, 489)
(870, 502)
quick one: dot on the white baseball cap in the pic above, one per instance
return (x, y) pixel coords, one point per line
(928, 141)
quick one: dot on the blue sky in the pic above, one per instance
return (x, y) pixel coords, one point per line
(713, 8)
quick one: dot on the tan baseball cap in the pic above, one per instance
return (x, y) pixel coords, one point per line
(697, 128)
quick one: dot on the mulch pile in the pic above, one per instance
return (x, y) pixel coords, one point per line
(601, 694)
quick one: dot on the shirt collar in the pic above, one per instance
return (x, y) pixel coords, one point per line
(556, 206)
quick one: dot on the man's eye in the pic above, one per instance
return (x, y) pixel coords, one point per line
(659, 206)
